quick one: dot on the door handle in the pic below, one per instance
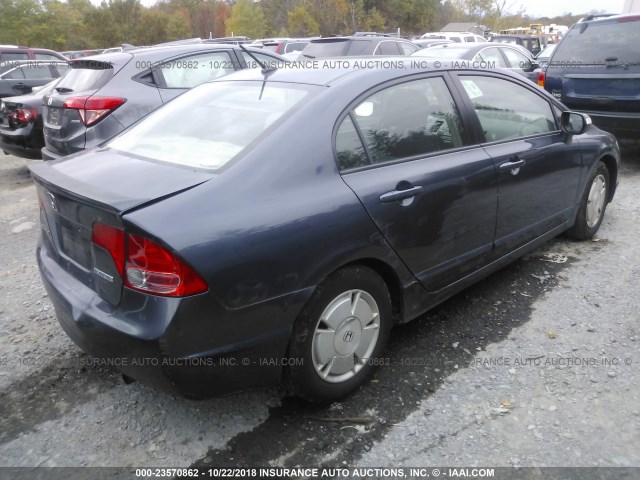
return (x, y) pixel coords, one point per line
(511, 165)
(396, 195)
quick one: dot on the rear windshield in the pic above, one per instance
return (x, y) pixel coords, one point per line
(211, 124)
(591, 44)
(87, 75)
(325, 49)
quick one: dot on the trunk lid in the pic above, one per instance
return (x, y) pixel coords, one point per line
(99, 187)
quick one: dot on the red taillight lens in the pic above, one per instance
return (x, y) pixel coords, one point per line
(24, 115)
(147, 266)
(112, 240)
(93, 109)
(541, 78)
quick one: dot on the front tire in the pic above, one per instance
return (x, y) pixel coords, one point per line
(592, 206)
(339, 336)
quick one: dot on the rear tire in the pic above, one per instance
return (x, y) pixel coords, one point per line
(339, 336)
(592, 206)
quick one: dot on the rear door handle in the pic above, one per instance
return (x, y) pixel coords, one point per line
(397, 195)
(511, 165)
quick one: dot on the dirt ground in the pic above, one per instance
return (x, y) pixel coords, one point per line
(538, 365)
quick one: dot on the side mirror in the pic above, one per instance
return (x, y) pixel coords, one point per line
(574, 123)
(529, 66)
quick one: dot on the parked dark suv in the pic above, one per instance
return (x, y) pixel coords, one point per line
(104, 94)
(357, 45)
(596, 69)
(533, 43)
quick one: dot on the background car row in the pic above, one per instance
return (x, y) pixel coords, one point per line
(97, 101)
(102, 95)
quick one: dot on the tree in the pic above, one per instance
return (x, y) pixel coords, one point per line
(333, 16)
(302, 24)
(247, 18)
(374, 21)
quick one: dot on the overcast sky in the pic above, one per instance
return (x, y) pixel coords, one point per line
(552, 8)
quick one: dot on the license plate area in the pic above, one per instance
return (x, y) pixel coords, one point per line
(53, 116)
(73, 243)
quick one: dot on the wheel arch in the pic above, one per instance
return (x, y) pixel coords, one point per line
(391, 280)
(612, 167)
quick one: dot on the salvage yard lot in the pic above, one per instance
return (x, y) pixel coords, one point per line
(537, 365)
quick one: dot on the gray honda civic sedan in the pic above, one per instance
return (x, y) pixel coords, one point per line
(273, 226)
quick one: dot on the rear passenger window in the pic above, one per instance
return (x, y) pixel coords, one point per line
(10, 56)
(387, 48)
(406, 120)
(493, 57)
(46, 56)
(37, 72)
(507, 110)
(188, 72)
(407, 48)
(349, 148)
(15, 74)
(516, 59)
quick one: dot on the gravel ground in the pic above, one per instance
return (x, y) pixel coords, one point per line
(537, 365)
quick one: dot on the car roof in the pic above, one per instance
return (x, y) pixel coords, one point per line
(172, 49)
(610, 18)
(332, 71)
(343, 38)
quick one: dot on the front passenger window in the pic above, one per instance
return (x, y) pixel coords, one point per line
(507, 110)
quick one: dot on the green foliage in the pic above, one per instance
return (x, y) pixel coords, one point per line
(247, 18)
(302, 24)
(79, 24)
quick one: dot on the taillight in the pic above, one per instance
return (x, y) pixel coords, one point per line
(146, 266)
(93, 109)
(112, 240)
(541, 78)
(24, 115)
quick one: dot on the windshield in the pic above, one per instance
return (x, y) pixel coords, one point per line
(591, 44)
(211, 124)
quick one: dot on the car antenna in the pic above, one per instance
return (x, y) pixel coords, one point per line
(266, 71)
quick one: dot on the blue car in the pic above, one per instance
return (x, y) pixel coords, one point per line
(274, 225)
(596, 69)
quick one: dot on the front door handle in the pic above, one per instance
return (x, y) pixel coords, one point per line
(511, 165)
(397, 195)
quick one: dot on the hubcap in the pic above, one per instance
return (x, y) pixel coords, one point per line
(345, 336)
(595, 201)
